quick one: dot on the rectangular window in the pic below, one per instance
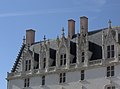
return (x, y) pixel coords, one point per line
(110, 71)
(83, 57)
(110, 51)
(27, 65)
(111, 87)
(62, 59)
(44, 63)
(62, 78)
(26, 82)
(82, 75)
(43, 80)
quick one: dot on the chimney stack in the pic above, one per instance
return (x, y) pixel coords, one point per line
(83, 24)
(71, 28)
(30, 36)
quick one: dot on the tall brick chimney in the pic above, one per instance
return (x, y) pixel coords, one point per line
(71, 28)
(83, 24)
(30, 36)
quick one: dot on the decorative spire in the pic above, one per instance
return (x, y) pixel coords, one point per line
(110, 23)
(44, 38)
(23, 39)
(63, 32)
(57, 37)
(58, 41)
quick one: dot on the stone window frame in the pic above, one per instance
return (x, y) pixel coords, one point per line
(43, 81)
(110, 86)
(110, 51)
(62, 78)
(26, 82)
(44, 62)
(82, 56)
(82, 75)
(27, 65)
(110, 71)
(62, 59)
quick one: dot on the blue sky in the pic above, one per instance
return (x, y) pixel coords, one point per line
(47, 18)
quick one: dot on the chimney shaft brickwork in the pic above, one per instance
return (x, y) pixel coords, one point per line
(71, 28)
(83, 24)
(30, 36)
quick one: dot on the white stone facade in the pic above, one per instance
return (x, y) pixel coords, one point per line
(88, 60)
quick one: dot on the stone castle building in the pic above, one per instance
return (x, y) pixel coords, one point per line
(86, 60)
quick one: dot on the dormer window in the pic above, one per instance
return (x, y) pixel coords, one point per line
(110, 51)
(27, 65)
(62, 59)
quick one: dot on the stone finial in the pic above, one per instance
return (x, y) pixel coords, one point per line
(23, 39)
(110, 23)
(63, 34)
(44, 38)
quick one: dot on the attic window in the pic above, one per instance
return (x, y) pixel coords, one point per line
(27, 65)
(62, 59)
(110, 51)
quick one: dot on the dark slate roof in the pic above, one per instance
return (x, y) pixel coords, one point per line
(73, 50)
(96, 51)
(119, 38)
(18, 58)
(36, 56)
(52, 53)
(53, 56)
(90, 33)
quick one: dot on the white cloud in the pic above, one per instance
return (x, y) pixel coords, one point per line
(90, 5)
(79, 5)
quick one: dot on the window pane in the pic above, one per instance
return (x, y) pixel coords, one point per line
(108, 68)
(108, 88)
(64, 55)
(108, 48)
(43, 80)
(29, 65)
(112, 54)
(26, 65)
(112, 67)
(64, 61)
(82, 76)
(61, 56)
(28, 82)
(63, 79)
(108, 74)
(108, 54)
(82, 53)
(82, 71)
(113, 87)
(61, 62)
(25, 83)
(112, 73)
(112, 47)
